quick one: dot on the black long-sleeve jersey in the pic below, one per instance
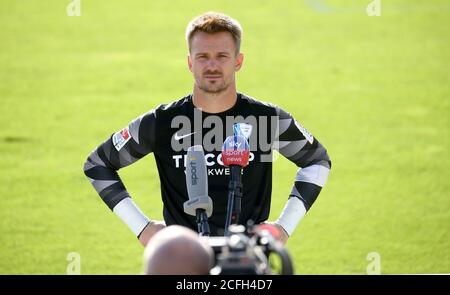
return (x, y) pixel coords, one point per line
(168, 130)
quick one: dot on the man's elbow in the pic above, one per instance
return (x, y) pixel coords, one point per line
(87, 166)
(322, 160)
(326, 158)
(93, 161)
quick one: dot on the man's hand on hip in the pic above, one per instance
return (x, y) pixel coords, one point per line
(282, 234)
(150, 230)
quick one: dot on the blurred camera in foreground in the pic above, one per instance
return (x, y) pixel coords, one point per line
(177, 250)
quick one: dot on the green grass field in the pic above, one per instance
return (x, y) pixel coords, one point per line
(374, 90)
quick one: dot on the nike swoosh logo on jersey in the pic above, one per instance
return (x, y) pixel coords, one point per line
(178, 137)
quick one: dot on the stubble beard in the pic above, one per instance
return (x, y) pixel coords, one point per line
(215, 87)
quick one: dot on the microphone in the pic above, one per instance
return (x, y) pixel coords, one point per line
(235, 154)
(199, 203)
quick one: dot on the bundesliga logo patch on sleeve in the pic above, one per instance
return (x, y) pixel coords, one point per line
(120, 138)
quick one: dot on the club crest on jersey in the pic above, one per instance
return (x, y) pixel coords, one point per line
(308, 136)
(242, 129)
(120, 138)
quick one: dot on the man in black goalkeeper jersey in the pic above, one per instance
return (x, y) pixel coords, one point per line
(206, 117)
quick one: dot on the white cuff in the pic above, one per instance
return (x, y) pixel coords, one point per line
(293, 212)
(131, 215)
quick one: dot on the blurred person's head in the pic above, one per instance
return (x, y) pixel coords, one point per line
(214, 41)
(177, 250)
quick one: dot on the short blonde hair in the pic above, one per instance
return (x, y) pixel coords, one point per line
(214, 22)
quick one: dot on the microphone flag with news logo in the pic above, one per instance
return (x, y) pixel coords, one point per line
(235, 151)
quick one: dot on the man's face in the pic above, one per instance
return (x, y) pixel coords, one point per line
(213, 61)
